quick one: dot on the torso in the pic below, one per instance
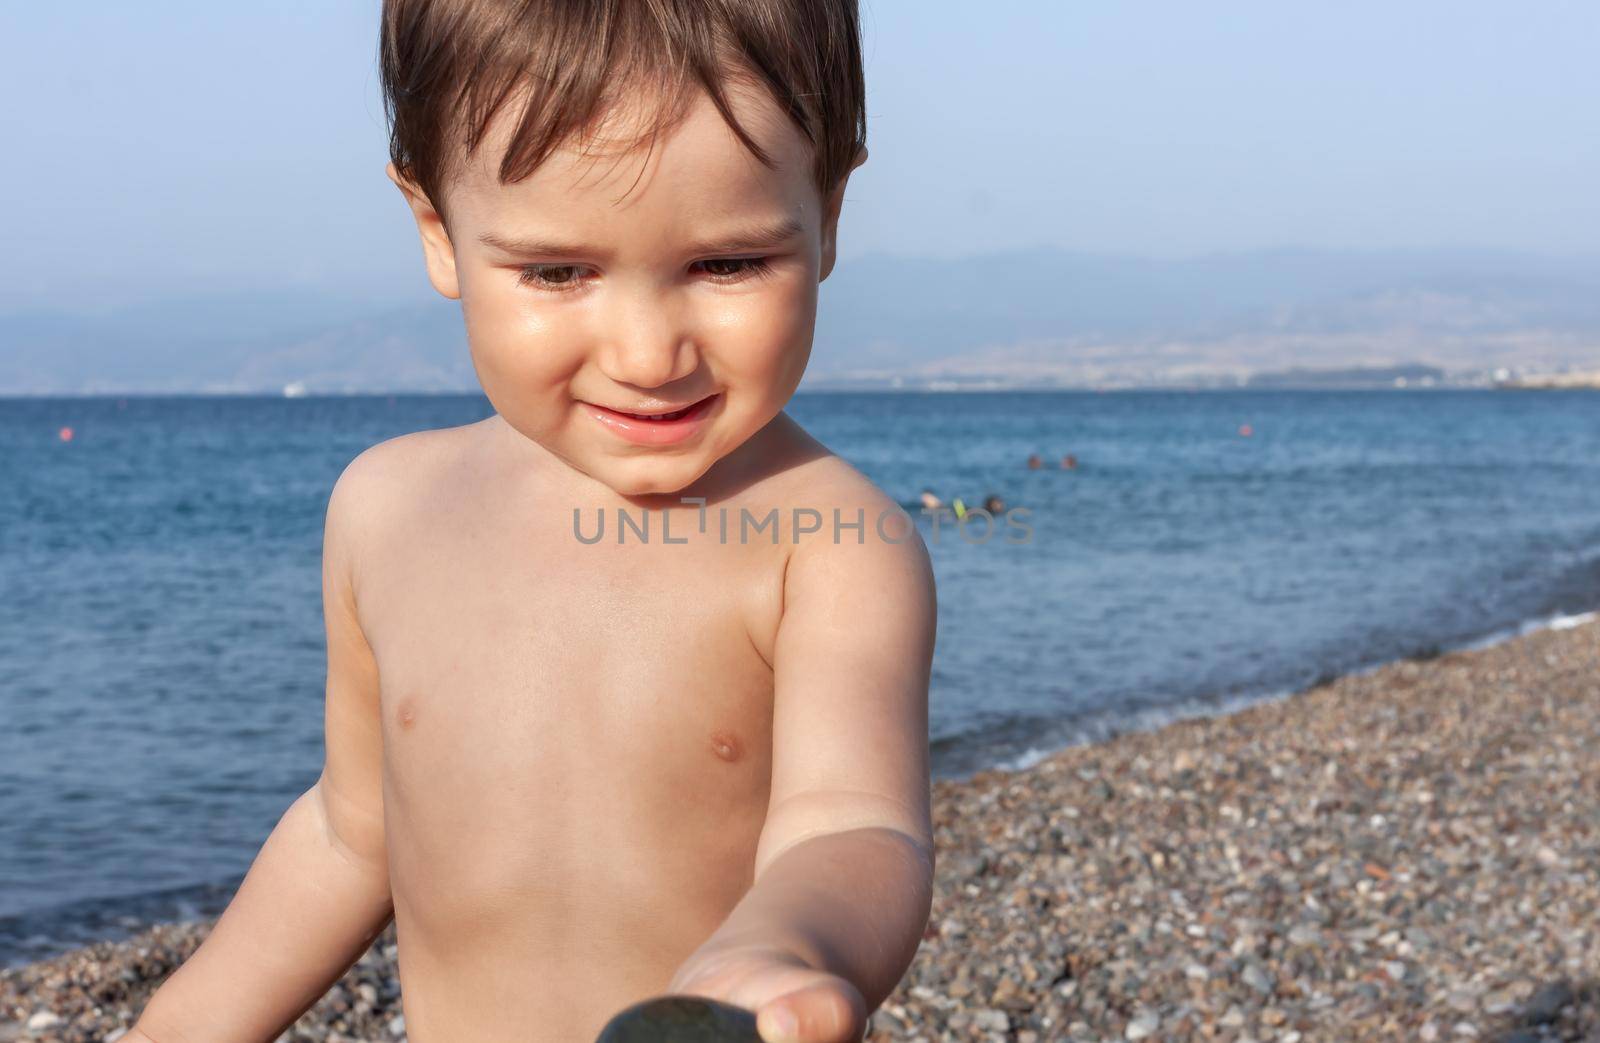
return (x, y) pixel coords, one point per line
(577, 747)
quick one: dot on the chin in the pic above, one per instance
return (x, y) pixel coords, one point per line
(655, 478)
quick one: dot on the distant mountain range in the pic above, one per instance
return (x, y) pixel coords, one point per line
(1023, 318)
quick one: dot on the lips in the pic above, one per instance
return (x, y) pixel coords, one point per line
(673, 415)
(663, 416)
(657, 428)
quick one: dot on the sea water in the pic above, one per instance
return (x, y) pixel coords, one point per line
(161, 636)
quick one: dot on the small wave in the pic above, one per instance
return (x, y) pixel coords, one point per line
(1555, 621)
(1572, 622)
(1141, 719)
(1150, 718)
(38, 934)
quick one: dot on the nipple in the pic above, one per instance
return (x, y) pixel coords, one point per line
(407, 714)
(725, 745)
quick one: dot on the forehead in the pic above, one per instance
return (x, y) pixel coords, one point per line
(697, 169)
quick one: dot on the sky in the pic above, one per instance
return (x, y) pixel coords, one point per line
(189, 147)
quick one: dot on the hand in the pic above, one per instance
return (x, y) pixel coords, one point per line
(793, 1001)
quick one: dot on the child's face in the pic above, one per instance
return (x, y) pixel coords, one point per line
(640, 304)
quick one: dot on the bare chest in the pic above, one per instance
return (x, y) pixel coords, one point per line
(573, 730)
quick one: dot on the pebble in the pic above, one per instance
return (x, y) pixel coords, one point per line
(1547, 1003)
(1142, 1025)
(1257, 979)
(680, 1019)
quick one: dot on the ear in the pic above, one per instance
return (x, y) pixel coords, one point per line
(830, 217)
(436, 249)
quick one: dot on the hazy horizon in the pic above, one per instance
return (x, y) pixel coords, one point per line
(198, 150)
(1057, 317)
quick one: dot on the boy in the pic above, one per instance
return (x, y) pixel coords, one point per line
(687, 755)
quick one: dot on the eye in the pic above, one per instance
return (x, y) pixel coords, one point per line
(565, 278)
(539, 275)
(729, 270)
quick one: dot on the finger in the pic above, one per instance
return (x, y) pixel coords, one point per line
(827, 1012)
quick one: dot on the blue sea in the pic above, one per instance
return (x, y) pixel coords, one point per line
(161, 642)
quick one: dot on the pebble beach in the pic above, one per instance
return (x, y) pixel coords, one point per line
(1410, 853)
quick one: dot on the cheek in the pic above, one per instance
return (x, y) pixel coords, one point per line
(766, 338)
(514, 345)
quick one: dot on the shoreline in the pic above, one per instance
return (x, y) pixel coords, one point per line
(1404, 852)
(1154, 718)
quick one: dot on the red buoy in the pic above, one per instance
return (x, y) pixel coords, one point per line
(1246, 430)
(66, 434)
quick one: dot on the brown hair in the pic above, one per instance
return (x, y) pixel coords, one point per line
(447, 66)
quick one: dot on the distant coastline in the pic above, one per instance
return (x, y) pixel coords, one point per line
(1067, 320)
(1556, 382)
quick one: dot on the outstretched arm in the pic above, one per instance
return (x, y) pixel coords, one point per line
(844, 868)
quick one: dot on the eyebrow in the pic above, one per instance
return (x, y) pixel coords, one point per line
(751, 238)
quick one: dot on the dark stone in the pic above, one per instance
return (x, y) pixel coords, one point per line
(1543, 1006)
(1522, 1036)
(681, 1019)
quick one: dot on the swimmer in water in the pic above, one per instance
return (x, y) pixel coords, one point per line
(1034, 463)
(930, 500)
(994, 505)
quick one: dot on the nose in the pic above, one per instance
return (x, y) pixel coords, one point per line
(647, 344)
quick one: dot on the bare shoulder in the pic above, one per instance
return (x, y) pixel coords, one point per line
(864, 538)
(390, 473)
(831, 480)
(387, 482)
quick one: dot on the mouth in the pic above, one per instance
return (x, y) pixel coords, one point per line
(674, 414)
(657, 427)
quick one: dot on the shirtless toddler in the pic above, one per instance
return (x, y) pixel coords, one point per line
(617, 705)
